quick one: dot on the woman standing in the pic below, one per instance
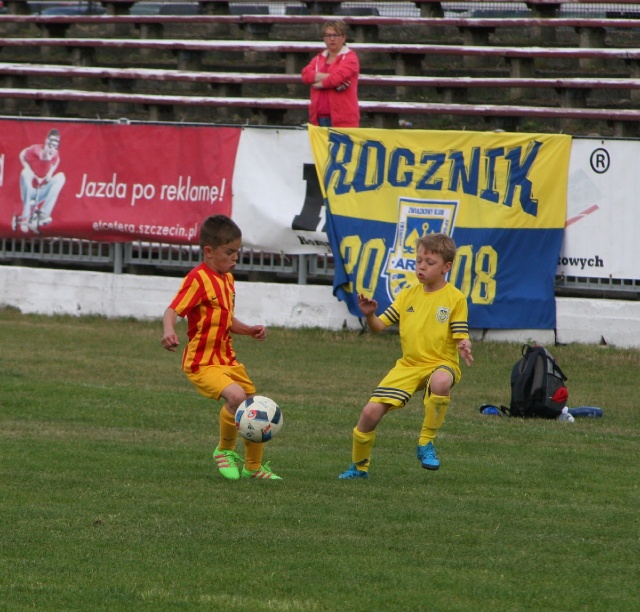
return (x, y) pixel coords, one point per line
(333, 76)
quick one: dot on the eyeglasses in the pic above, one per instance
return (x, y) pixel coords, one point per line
(332, 36)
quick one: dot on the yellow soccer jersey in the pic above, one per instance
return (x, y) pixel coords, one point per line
(431, 324)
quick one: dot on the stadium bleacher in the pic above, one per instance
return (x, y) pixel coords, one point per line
(422, 61)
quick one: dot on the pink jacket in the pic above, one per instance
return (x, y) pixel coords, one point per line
(341, 86)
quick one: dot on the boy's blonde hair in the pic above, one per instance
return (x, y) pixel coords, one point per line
(440, 244)
(218, 230)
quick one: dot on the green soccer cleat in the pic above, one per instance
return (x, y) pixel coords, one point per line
(227, 461)
(262, 473)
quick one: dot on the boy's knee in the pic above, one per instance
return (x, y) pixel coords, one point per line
(441, 382)
(443, 390)
(234, 395)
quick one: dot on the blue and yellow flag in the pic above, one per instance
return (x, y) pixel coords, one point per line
(500, 196)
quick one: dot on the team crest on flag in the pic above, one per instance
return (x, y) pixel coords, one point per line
(416, 218)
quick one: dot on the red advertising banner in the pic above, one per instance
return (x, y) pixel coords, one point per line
(112, 182)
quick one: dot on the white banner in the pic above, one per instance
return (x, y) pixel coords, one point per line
(603, 210)
(277, 199)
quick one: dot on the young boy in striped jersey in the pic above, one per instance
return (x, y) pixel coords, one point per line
(207, 298)
(432, 317)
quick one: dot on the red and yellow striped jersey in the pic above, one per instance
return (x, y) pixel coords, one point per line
(207, 299)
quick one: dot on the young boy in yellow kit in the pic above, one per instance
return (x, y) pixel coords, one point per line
(207, 298)
(432, 318)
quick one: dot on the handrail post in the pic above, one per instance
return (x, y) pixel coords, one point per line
(302, 269)
(118, 257)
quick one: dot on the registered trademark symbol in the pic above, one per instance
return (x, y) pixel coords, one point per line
(600, 161)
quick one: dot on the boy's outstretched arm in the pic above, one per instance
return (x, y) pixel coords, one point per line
(259, 332)
(464, 346)
(368, 306)
(169, 337)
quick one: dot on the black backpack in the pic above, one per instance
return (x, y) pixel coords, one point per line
(537, 385)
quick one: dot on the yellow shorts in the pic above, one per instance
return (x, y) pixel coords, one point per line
(402, 381)
(211, 381)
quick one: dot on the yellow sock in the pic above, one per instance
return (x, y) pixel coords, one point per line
(435, 409)
(253, 455)
(361, 451)
(228, 431)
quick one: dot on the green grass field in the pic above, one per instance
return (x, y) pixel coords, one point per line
(110, 500)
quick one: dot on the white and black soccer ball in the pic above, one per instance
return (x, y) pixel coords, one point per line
(258, 419)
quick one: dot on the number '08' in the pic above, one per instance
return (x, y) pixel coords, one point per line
(475, 275)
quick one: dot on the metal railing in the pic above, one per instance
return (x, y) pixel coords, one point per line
(616, 288)
(143, 257)
(168, 259)
(481, 8)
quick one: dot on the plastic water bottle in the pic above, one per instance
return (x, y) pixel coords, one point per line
(565, 416)
(586, 411)
(490, 410)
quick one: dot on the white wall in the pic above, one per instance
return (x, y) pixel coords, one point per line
(45, 291)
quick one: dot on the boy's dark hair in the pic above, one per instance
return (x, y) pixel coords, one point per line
(440, 244)
(218, 230)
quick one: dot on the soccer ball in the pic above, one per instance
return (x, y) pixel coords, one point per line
(258, 419)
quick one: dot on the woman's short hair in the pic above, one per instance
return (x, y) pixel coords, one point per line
(339, 27)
